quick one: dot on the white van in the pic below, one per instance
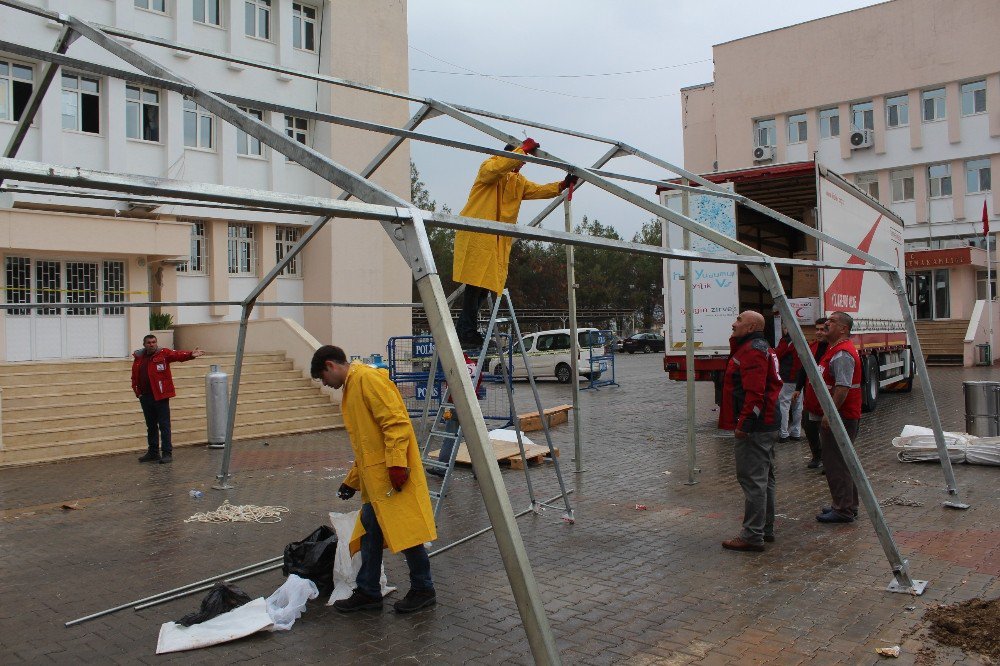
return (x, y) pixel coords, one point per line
(548, 353)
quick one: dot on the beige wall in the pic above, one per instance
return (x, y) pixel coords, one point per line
(895, 46)
(698, 117)
(351, 260)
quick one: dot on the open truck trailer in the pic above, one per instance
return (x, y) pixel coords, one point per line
(817, 197)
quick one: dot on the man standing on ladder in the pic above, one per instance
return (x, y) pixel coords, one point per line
(481, 260)
(750, 409)
(396, 510)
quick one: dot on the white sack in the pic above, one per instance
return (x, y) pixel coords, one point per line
(509, 436)
(345, 567)
(289, 601)
(237, 623)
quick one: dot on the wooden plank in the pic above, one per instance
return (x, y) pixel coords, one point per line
(504, 452)
(556, 415)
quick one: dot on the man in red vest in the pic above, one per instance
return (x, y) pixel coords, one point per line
(750, 390)
(841, 370)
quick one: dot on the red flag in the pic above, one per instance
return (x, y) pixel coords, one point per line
(986, 221)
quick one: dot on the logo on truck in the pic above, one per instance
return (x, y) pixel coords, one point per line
(844, 292)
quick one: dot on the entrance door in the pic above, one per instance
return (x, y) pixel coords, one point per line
(932, 294)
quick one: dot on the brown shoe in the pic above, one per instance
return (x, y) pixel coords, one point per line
(739, 544)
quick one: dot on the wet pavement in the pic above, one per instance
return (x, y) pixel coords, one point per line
(621, 585)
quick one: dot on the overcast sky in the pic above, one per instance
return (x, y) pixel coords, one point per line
(558, 62)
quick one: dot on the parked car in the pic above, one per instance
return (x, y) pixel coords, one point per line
(548, 353)
(643, 342)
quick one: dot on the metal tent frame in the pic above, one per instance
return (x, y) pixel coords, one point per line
(406, 227)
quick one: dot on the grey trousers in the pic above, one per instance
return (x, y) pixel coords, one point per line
(843, 493)
(791, 412)
(755, 472)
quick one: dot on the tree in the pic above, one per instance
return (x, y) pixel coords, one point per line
(442, 241)
(647, 272)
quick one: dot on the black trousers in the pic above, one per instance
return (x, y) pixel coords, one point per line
(811, 429)
(467, 325)
(157, 414)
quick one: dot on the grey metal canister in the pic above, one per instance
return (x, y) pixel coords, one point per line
(217, 406)
(982, 408)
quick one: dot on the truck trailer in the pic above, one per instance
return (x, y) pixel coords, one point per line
(819, 198)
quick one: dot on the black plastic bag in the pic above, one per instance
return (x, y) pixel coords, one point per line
(222, 598)
(313, 558)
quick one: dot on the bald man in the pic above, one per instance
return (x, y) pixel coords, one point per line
(750, 409)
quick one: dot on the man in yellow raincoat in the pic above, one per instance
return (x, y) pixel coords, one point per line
(396, 510)
(481, 260)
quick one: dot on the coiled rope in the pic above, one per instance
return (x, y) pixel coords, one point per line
(243, 513)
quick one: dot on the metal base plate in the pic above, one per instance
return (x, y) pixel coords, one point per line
(217, 446)
(918, 587)
(956, 505)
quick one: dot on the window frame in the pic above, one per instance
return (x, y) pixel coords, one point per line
(801, 124)
(234, 250)
(865, 181)
(970, 169)
(828, 115)
(907, 176)
(904, 106)
(78, 93)
(259, 7)
(867, 115)
(204, 13)
(250, 141)
(934, 95)
(198, 251)
(981, 285)
(771, 130)
(939, 186)
(962, 97)
(147, 7)
(285, 238)
(142, 104)
(200, 113)
(8, 81)
(299, 26)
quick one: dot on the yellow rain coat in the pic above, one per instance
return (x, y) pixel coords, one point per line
(382, 436)
(481, 259)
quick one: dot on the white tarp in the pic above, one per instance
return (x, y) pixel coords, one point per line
(917, 444)
(237, 623)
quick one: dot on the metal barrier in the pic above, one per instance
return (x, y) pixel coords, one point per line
(602, 359)
(409, 358)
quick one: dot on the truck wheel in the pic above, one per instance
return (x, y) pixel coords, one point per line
(869, 383)
(498, 370)
(564, 374)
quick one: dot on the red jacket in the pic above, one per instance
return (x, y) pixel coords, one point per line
(159, 371)
(788, 360)
(750, 386)
(851, 407)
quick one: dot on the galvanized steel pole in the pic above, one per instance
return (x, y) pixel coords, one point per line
(574, 343)
(692, 451)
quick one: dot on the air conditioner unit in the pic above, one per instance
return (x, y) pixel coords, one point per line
(862, 139)
(761, 153)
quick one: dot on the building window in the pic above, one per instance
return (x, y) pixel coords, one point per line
(764, 133)
(298, 129)
(198, 258)
(897, 111)
(934, 104)
(142, 113)
(285, 239)
(902, 185)
(977, 176)
(207, 11)
(939, 180)
(152, 5)
(242, 250)
(81, 287)
(246, 144)
(829, 123)
(113, 273)
(863, 116)
(18, 284)
(981, 285)
(303, 27)
(868, 183)
(258, 18)
(16, 84)
(797, 128)
(199, 126)
(81, 103)
(973, 98)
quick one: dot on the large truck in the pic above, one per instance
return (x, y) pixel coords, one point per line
(817, 197)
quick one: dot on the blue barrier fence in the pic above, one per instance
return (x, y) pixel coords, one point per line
(601, 355)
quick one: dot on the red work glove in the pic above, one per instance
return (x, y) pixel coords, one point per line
(529, 146)
(570, 179)
(398, 476)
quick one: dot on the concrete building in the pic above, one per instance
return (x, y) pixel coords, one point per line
(58, 247)
(71, 248)
(903, 98)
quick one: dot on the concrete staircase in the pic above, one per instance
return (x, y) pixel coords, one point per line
(943, 342)
(68, 409)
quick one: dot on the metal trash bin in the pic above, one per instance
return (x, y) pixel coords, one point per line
(217, 406)
(982, 408)
(983, 355)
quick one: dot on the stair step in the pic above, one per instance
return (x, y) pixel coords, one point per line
(99, 377)
(123, 388)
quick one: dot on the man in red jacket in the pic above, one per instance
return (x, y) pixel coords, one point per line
(841, 370)
(750, 390)
(154, 386)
